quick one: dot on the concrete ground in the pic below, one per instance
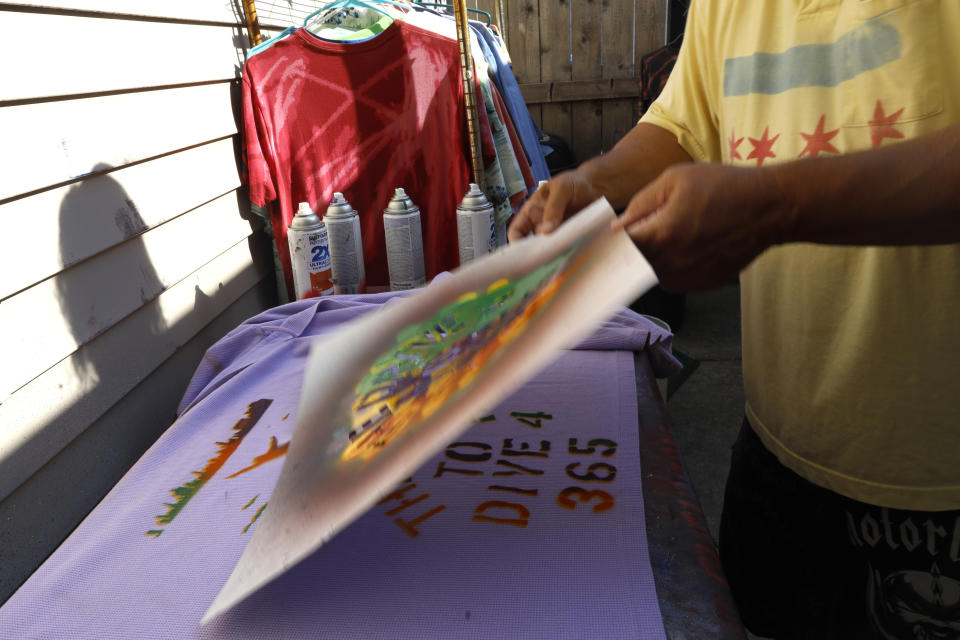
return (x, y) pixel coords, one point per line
(707, 409)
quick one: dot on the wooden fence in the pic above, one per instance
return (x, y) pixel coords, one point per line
(577, 61)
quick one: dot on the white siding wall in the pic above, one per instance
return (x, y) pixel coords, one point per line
(126, 247)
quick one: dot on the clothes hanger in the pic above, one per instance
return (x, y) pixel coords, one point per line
(327, 27)
(450, 6)
(333, 5)
(272, 41)
(355, 3)
(347, 35)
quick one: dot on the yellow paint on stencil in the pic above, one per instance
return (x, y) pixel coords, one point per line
(499, 284)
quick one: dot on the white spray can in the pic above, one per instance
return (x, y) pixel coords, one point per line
(346, 246)
(476, 225)
(309, 254)
(401, 228)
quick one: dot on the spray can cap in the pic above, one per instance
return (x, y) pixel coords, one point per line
(401, 203)
(339, 207)
(305, 217)
(474, 200)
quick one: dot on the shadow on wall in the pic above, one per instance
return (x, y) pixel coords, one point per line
(108, 278)
(100, 291)
(128, 355)
(241, 40)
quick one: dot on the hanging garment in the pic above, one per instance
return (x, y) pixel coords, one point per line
(503, 114)
(510, 91)
(516, 199)
(655, 68)
(497, 176)
(483, 42)
(512, 175)
(361, 118)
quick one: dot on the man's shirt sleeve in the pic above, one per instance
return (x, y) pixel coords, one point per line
(687, 107)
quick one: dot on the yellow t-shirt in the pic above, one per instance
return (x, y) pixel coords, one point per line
(851, 356)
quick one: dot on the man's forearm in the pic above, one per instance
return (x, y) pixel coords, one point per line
(907, 193)
(638, 158)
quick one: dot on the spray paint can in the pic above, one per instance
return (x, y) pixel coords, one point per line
(501, 230)
(476, 225)
(346, 246)
(309, 254)
(401, 228)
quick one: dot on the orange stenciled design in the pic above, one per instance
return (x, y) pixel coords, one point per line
(438, 358)
(409, 526)
(584, 496)
(479, 514)
(185, 492)
(273, 452)
(255, 517)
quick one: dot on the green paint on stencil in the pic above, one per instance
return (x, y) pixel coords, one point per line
(424, 342)
(154, 533)
(252, 500)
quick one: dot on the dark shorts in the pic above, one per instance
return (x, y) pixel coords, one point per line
(805, 562)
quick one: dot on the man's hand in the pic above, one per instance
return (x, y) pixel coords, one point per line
(635, 160)
(553, 203)
(700, 224)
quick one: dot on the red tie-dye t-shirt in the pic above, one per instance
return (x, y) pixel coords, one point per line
(361, 118)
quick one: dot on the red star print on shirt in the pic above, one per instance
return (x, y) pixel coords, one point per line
(819, 140)
(734, 143)
(882, 125)
(763, 148)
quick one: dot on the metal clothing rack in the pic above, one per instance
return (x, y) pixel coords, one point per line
(466, 74)
(469, 90)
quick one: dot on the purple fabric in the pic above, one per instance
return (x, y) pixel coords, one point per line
(287, 328)
(568, 572)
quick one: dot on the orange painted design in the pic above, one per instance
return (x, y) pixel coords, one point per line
(410, 526)
(273, 452)
(584, 496)
(256, 517)
(479, 513)
(184, 493)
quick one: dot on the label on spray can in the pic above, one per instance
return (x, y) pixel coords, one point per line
(309, 255)
(501, 233)
(476, 228)
(404, 239)
(346, 246)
